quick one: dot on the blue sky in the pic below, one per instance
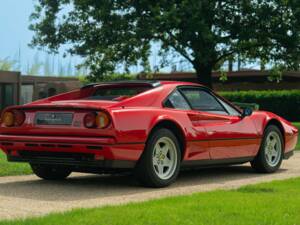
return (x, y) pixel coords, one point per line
(15, 35)
(14, 21)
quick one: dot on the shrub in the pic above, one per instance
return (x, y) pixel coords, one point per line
(285, 103)
(119, 76)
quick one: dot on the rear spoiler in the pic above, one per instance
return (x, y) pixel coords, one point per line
(53, 107)
(151, 83)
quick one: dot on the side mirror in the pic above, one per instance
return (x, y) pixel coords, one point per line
(246, 112)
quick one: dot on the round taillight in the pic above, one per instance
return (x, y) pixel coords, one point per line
(19, 117)
(90, 120)
(8, 119)
(96, 120)
(102, 120)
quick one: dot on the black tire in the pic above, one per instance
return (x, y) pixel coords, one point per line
(260, 163)
(48, 172)
(145, 171)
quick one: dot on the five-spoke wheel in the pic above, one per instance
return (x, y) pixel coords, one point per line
(273, 148)
(159, 165)
(270, 155)
(164, 158)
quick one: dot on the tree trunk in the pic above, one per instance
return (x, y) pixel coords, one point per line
(204, 75)
(230, 65)
(239, 63)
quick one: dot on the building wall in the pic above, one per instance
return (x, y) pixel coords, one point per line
(20, 89)
(9, 88)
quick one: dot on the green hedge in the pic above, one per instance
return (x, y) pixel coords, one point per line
(285, 103)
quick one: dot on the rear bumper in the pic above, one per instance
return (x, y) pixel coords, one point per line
(75, 163)
(102, 152)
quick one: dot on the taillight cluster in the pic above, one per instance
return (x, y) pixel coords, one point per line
(96, 120)
(13, 118)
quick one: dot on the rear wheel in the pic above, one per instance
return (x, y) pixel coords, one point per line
(270, 154)
(48, 172)
(160, 163)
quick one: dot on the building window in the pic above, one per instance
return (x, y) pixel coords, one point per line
(6, 95)
(42, 95)
(51, 92)
(26, 93)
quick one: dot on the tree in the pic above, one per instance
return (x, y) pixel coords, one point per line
(109, 33)
(7, 64)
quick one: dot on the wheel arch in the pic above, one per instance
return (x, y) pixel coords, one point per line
(173, 127)
(278, 124)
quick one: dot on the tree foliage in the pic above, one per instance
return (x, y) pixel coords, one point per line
(108, 33)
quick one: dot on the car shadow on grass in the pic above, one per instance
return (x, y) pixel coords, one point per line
(84, 187)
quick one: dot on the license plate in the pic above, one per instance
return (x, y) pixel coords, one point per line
(53, 118)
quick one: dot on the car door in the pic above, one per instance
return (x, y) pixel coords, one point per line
(228, 134)
(196, 149)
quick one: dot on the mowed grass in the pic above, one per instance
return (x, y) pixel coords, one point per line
(11, 169)
(275, 203)
(297, 124)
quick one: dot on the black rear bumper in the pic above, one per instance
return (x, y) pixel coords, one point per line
(75, 160)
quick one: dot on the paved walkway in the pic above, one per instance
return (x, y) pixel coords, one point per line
(24, 196)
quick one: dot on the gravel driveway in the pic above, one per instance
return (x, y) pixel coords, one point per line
(23, 196)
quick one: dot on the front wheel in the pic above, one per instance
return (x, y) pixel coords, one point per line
(160, 162)
(48, 172)
(270, 155)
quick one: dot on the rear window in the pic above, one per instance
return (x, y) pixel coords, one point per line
(117, 93)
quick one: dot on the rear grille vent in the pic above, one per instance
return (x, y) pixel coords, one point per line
(94, 147)
(56, 155)
(7, 144)
(64, 146)
(31, 145)
(48, 145)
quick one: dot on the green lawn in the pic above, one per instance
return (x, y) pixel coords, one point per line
(275, 203)
(10, 169)
(297, 124)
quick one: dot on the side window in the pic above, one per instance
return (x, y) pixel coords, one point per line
(176, 101)
(203, 101)
(232, 111)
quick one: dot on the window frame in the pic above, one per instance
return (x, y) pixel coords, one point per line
(223, 102)
(171, 93)
(209, 91)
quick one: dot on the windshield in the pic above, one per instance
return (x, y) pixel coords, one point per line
(117, 93)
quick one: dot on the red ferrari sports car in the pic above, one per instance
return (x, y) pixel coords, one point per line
(152, 127)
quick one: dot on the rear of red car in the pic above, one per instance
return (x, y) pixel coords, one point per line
(74, 129)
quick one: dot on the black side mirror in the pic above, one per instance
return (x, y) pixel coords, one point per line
(246, 112)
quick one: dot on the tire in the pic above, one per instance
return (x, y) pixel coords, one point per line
(160, 162)
(270, 155)
(48, 172)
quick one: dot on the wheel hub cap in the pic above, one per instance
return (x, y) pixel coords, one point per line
(273, 149)
(164, 158)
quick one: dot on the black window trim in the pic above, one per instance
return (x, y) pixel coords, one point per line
(209, 91)
(168, 96)
(203, 89)
(217, 97)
